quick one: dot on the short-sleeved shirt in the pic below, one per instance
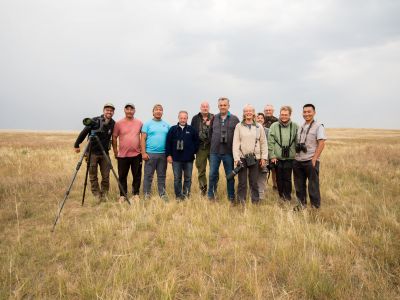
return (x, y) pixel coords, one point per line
(128, 133)
(156, 132)
(316, 133)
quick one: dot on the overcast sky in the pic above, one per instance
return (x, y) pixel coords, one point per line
(60, 61)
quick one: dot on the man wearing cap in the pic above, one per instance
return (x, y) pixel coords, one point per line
(154, 136)
(126, 147)
(97, 158)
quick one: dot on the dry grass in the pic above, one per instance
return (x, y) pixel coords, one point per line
(348, 249)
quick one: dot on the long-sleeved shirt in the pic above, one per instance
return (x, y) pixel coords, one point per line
(249, 139)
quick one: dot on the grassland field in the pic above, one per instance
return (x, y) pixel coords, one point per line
(349, 249)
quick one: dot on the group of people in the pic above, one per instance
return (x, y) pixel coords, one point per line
(250, 148)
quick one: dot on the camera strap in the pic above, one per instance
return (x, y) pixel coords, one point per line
(225, 123)
(255, 143)
(308, 130)
(280, 136)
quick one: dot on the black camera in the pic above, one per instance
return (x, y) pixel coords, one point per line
(271, 166)
(96, 125)
(285, 151)
(301, 147)
(224, 137)
(235, 171)
(250, 159)
(179, 145)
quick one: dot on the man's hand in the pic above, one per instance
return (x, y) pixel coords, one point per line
(169, 158)
(314, 161)
(77, 150)
(263, 163)
(274, 160)
(145, 156)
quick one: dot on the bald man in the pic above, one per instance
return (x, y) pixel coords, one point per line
(269, 116)
(201, 122)
(269, 120)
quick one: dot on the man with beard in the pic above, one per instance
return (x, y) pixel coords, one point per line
(96, 157)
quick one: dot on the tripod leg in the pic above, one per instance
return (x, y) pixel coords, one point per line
(87, 172)
(111, 167)
(61, 206)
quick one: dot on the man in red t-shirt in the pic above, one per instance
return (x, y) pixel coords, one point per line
(127, 151)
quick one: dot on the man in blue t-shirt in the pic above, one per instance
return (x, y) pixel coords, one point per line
(154, 135)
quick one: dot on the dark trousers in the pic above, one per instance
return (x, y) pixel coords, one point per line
(135, 165)
(284, 178)
(101, 161)
(252, 173)
(182, 168)
(302, 171)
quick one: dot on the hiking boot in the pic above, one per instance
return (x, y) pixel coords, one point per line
(164, 197)
(203, 190)
(299, 207)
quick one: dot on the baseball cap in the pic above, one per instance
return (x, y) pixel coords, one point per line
(130, 104)
(108, 104)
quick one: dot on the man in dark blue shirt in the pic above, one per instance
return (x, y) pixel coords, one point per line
(181, 145)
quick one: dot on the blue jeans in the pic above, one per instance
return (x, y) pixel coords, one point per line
(182, 168)
(215, 161)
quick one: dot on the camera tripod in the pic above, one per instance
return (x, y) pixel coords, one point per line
(93, 138)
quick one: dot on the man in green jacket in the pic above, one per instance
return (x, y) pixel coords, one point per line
(281, 149)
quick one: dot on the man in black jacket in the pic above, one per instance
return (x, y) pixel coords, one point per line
(181, 145)
(201, 122)
(97, 157)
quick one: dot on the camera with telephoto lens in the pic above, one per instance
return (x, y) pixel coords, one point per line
(224, 137)
(96, 124)
(285, 151)
(235, 171)
(250, 159)
(179, 145)
(301, 147)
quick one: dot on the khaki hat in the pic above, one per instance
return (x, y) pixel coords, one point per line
(130, 104)
(108, 104)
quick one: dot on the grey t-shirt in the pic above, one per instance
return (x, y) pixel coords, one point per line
(317, 132)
